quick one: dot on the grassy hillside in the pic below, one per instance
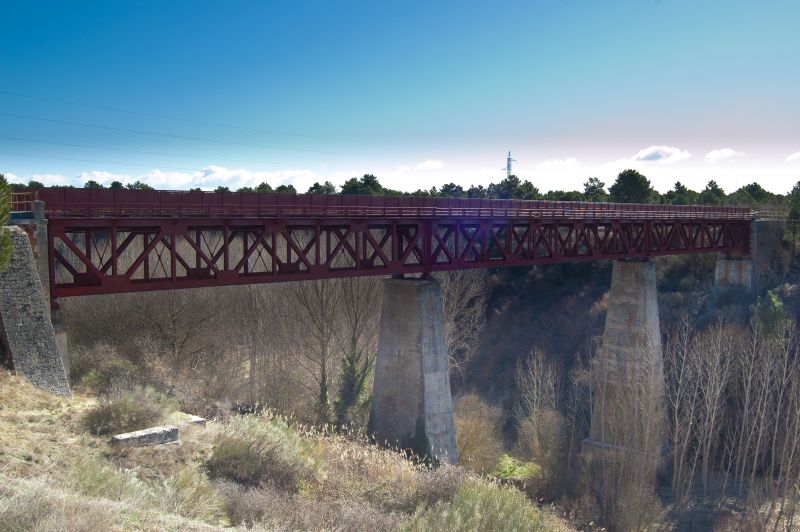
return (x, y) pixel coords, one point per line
(260, 472)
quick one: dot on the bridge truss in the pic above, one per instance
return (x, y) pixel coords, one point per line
(124, 241)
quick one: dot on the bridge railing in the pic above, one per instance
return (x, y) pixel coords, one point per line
(96, 203)
(21, 201)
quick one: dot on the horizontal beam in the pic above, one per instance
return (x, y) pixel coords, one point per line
(114, 255)
(105, 203)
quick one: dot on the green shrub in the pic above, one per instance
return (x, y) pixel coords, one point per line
(118, 373)
(509, 468)
(256, 450)
(94, 476)
(127, 411)
(6, 247)
(189, 493)
(481, 506)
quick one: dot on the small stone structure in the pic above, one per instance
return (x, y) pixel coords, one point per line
(750, 273)
(411, 405)
(151, 436)
(733, 274)
(27, 334)
(196, 420)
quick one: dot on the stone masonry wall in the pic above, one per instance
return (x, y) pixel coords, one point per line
(28, 333)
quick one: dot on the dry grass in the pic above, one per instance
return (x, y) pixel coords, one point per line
(262, 449)
(35, 504)
(265, 508)
(36, 429)
(56, 476)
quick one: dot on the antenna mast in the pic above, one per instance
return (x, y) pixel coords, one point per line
(509, 160)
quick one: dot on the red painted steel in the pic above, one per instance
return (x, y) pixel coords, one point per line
(104, 203)
(105, 241)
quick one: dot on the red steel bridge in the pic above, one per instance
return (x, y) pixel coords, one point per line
(112, 241)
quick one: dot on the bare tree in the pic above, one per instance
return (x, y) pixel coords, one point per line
(713, 369)
(179, 323)
(537, 386)
(541, 428)
(683, 403)
(360, 304)
(627, 442)
(464, 296)
(360, 307)
(316, 326)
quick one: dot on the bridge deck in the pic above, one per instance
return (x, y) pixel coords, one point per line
(88, 203)
(110, 241)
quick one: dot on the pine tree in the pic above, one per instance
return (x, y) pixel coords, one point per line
(631, 187)
(794, 213)
(5, 215)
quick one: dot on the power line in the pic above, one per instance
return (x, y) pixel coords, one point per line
(93, 161)
(157, 133)
(130, 151)
(156, 115)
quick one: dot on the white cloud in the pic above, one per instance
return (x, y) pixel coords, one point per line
(429, 165)
(554, 164)
(50, 179)
(424, 165)
(715, 156)
(662, 154)
(104, 178)
(213, 176)
(208, 178)
(795, 157)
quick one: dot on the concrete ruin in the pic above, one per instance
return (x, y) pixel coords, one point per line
(411, 406)
(28, 339)
(151, 436)
(731, 273)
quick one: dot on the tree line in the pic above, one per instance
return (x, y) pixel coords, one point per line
(630, 186)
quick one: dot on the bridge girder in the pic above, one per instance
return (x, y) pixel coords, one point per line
(100, 256)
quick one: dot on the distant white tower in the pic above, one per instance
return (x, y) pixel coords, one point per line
(509, 160)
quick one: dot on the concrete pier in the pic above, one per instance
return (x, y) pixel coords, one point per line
(411, 405)
(628, 371)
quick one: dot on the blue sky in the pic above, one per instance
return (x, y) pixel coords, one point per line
(419, 93)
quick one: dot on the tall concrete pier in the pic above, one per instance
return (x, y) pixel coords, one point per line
(628, 372)
(411, 405)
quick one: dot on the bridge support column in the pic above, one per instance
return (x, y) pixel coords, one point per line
(760, 267)
(628, 371)
(411, 405)
(28, 339)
